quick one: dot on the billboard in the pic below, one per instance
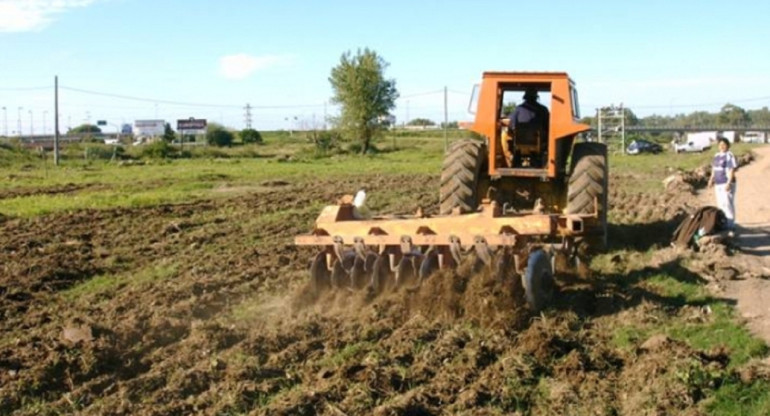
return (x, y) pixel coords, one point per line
(149, 127)
(191, 124)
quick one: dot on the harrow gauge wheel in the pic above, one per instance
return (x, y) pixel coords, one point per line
(538, 280)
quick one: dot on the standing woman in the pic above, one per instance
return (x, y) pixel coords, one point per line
(723, 179)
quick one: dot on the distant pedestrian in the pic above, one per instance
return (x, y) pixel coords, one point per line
(722, 178)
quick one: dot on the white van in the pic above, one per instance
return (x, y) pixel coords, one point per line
(696, 142)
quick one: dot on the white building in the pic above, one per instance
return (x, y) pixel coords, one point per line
(147, 129)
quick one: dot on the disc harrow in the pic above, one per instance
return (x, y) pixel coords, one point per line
(394, 252)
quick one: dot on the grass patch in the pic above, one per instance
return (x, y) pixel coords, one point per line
(718, 329)
(737, 399)
(346, 354)
(107, 283)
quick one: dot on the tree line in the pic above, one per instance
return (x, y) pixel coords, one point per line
(730, 115)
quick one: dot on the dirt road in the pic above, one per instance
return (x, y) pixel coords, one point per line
(753, 225)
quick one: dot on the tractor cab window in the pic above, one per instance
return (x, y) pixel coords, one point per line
(512, 98)
(575, 106)
(525, 113)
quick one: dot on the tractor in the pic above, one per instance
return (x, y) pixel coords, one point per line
(524, 194)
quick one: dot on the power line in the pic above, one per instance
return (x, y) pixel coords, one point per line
(25, 88)
(441, 91)
(186, 104)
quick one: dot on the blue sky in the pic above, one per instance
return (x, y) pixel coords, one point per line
(655, 56)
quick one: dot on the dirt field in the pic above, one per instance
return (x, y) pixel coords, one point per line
(204, 307)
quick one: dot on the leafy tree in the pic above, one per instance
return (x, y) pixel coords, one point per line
(364, 95)
(85, 128)
(508, 108)
(421, 122)
(700, 118)
(217, 135)
(732, 115)
(631, 118)
(250, 136)
(760, 117)
(168, 133)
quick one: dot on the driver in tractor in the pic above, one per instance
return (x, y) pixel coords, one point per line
(528, 126)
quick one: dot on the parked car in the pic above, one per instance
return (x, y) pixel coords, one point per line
(643, 146)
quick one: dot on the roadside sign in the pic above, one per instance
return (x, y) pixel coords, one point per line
(191, 124)
(101, 123)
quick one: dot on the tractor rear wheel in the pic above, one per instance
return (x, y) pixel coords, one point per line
(587, 189)
(460, 176)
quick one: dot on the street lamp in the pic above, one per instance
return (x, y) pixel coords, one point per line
(18, 130)
(31, 128)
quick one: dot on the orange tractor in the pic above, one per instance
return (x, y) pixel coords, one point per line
(513, 201)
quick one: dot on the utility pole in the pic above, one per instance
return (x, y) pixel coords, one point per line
(248, 115)
(31, 124)
(56, 121)
(18, 120)
(446, 121)
(44, 126)
(5, 121)
(611, 121)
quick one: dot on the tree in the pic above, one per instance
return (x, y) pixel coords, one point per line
(217, 135)
(85, 128)
(250, 136)
(732, 115)
(364, 95)
(421, 122)
(760, 117)
(631, 118)
(508, 108)
(168, 133)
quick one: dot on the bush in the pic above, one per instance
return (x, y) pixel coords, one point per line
(158, 150)
(218, 136)
(250, 136)
(326, 140)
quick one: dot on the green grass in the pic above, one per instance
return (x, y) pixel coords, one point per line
(344, 355)
(738, 399)
(108, 185)
(718, 328)
(108, 283)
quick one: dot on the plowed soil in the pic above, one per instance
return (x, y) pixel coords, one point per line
(205, 308)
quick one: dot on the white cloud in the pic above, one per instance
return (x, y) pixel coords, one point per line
(242, 65)
(31, 15)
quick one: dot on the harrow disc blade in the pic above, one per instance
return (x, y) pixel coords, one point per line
(406, 272)
(362, 269)
(428, 266)
(538, 280)
(380, 274)
(502, 266)
(319, 274)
